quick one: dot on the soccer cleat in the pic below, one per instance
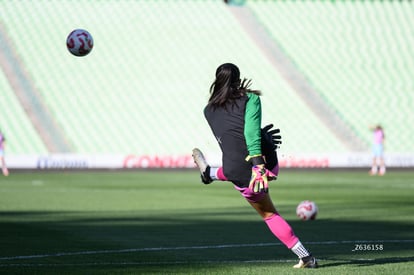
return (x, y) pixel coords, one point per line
(202, 164)
(310, 263)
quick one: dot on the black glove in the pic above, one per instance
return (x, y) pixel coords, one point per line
(270, 138)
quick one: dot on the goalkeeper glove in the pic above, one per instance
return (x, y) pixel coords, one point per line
(260, 175)
(270, 139)
(259, 182)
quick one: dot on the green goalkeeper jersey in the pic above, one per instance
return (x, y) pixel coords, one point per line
(252, 124)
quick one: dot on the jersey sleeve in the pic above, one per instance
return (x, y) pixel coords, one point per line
(252, 124)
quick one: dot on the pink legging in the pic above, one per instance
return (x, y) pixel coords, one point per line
(277, 225)
(282, 230)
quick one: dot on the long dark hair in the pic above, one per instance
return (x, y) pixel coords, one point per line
(228, 87)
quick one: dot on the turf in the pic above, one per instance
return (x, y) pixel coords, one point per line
(167, 222)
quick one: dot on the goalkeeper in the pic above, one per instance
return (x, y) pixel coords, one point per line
(234, 115)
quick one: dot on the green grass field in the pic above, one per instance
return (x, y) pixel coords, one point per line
(167, 222)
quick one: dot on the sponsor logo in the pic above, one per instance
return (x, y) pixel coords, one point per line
(293, 162)
(61, 163)
(145, 161)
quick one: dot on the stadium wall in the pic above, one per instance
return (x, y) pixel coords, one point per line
(132, 161)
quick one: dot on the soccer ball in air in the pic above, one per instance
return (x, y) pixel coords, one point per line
(79, 42)
(307, 210)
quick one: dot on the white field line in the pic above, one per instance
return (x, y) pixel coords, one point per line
(143, 263)
(151, 249)
(172, 263)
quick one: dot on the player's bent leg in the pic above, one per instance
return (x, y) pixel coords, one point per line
(281, 229)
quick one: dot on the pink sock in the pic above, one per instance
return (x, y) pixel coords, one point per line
(282, 230)
(220, 174)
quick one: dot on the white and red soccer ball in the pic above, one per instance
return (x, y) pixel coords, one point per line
(79, 42)
(307, 210)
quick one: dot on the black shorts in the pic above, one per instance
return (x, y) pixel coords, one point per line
(239, 173)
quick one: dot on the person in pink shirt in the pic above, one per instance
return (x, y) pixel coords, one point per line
(3, 162)
(378, 151)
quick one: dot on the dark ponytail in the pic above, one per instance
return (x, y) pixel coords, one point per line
(228, 87)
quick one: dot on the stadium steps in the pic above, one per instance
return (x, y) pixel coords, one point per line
(21, 137)
(26, 93)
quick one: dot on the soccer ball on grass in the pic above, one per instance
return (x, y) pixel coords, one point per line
(79, 42)
(307, 210)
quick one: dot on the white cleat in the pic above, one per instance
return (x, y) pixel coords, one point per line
(311, 263)
(202, 164)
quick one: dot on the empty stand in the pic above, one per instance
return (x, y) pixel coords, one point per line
(143, 87)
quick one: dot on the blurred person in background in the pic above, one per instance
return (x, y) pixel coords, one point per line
(3, 161)
(378, 163)
(234, 114)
